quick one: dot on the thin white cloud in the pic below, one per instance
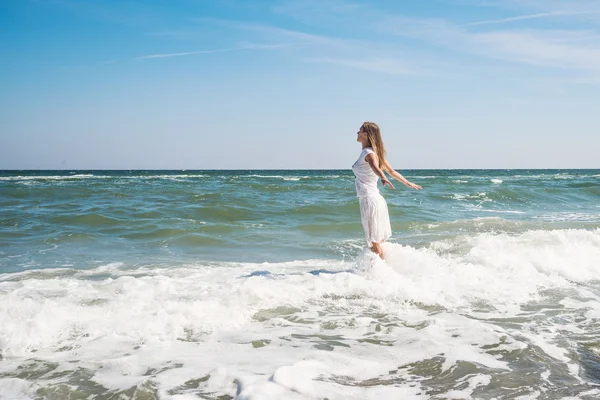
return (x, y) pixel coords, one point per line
(531, 16)
(532, 6)
(574, 49)
(258, 46)
(375, 56)
(577, 50)
(558, 49)
(273, 33)
(249, 46)
(187, 53)
(381, 65)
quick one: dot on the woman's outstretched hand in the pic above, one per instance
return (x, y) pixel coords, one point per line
(386, 182)
(414, 186)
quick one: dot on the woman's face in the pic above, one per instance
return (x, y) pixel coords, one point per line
(361, 136)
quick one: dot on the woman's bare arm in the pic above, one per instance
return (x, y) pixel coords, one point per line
(371, 158)
(399, 177)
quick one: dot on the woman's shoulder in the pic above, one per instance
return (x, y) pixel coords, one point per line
(367, 150)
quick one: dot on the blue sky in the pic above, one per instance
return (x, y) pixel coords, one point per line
(239, 84)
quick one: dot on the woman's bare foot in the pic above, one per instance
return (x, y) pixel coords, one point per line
(376, 248)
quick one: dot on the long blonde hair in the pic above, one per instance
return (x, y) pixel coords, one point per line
(374, 135)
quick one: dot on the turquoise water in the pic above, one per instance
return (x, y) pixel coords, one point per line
(257, 284)
(82, 219)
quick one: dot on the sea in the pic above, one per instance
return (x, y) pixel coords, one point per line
(253, 285)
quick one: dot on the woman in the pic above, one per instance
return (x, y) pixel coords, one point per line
(369, 166)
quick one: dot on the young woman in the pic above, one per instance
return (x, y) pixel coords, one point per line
(371, 165)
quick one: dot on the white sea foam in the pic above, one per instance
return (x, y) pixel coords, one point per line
(285, 178)
(496, 181)
(482, 196)
(52, 177)
(564, 176)
(27, 178)
(559, 176)
(502, 211)
(165, 176)
(15, 389)
(301, 329)
(569, 216)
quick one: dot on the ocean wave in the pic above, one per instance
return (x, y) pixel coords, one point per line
(503, 211)
(179, 176)
(283, 177)
(52, 177)
(478, 196)
(545, 253)
(321, 327)
(520, 177)
(569, 216)
(542, 177)
(86, 220)
(91, 176)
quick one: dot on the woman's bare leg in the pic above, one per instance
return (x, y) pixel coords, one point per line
(376, 248)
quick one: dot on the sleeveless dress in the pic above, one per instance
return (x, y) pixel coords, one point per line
(373, 208)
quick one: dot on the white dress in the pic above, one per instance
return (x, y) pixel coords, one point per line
(373, 208)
